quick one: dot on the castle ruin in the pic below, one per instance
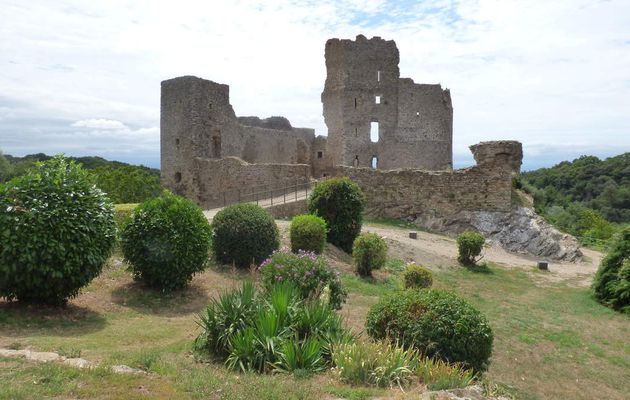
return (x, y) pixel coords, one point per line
(391, 135)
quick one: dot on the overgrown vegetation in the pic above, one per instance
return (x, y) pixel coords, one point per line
(308, 272)
(57, 230)
(244, 234)
(369, 252)
(271, 331)
(340, 202)
(435, 322)
(612, 280)
(469, 246)
(308, 232)
(166, 242)
(585, 197)
(122, 182)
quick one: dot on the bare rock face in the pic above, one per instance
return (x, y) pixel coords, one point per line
(520, 230)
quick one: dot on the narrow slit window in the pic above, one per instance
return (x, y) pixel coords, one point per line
(378, 76)
(377, 99)
(356, 132)
(356, 161)
(355, 102)
(374, 162)
(374, 131)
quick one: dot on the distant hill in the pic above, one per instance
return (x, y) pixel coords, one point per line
(602, 185)
(124, 183)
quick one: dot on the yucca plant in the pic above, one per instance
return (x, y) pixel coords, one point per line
(305, 355)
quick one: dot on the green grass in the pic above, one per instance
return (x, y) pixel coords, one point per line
(551, 341)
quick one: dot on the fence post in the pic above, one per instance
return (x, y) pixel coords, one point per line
(271, 194)
(296, 189)
(284, 194)
(224, 199)
(256, 198)
(239, 195)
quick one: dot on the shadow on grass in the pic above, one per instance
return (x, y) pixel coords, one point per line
(137, 296)
(20, 319)
(483, 268)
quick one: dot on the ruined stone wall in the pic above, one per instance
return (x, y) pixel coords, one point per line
(410, 193)
(231, 178)
(415, 122)
(198, 123)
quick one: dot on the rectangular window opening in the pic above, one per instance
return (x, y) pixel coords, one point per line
(377, 99)
(374, 162)
(374, 131)
(320, 154)
(378, 76)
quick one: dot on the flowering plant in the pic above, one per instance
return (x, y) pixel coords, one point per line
(308, 271)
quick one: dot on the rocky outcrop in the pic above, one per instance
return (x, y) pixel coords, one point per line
(520, 230)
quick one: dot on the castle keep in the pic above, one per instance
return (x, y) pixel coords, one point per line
(391, 135)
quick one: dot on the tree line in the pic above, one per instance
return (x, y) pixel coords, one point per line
(123, 183)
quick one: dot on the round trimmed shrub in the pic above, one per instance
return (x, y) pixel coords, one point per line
(435, 322)
(469, 246)
(369, 252)
(417, 277)
(166, 242)
(308, 232)
(611, 283)
(57, 230)
(340, 202)
(244, 234)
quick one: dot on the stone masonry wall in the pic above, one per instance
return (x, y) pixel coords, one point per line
(363, 88)
(409, 194)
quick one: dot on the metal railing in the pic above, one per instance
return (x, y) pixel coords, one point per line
(268, 194)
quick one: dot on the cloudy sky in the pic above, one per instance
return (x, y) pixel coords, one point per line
(83, 77)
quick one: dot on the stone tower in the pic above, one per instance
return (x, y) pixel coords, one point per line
(375, 118)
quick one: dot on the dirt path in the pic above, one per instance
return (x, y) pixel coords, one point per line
(437, 251)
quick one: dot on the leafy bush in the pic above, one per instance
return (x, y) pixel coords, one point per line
(57, 230)
(308, 232)
(272, 331)
(384, 364)
(612, 280)
(369, 252)
(417, 276)
(308, 272)
(166, 242)
(340, 202)
(378, 364)
(469, 246)
(435, 322)
(244, 234)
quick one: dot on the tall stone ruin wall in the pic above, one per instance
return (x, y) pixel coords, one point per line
(409, 193)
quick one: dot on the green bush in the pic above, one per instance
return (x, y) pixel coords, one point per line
(57, 230)
(308, 232)
(612, 280)
(469, 246)
(308, 272)
(417, 277)
(244, 234)
(166, 242)
(369, 252)
(340, 202)
(435, 322)
(272, 331)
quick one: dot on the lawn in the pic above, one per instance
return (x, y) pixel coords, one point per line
(551, 341)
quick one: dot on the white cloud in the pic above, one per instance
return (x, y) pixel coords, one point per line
(546, 73)
(100, 124)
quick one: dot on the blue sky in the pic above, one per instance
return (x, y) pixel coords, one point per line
(83, 78)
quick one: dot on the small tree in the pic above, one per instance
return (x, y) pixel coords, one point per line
(57, 230)
(166, 242)
(244, 234)
(611, 283)
(369, 252)
(417, 277)
(340, 202)
(469, 246)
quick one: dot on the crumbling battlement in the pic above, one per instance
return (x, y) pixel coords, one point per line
(377, 119)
